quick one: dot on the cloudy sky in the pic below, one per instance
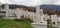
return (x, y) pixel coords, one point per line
(30, 2)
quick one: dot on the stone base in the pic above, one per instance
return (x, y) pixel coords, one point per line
(56, 25)
(9, 17)
(39, 25)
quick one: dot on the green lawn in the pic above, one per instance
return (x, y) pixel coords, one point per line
(15, 24)
(23, 23)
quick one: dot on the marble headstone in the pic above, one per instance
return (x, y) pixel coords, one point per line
(58, 18)
(54, 20)
(39, 23)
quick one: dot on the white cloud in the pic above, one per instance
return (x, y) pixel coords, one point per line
(57, 3)
(49, 1)
(21, 2)
(25, 2)
(5, 1)
(30, 2)
(35, 2)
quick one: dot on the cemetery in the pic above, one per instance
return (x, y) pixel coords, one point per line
(21, 18)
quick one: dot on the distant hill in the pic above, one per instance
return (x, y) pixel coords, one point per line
(57, 7)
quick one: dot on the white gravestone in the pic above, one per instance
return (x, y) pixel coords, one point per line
(58, 18)
(43, 22)
(18, 13)
(27, 13)
(7, 9)
(58, 25)
(45, 17)
(24, 13)
(54, 20)
(10, 12)
(39, 23)
(34, 17)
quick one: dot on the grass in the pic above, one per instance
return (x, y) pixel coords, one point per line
(22, 23)
(15, 24)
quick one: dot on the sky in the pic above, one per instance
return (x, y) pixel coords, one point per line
(30, 2)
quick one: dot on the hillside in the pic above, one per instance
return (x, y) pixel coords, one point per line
(57, 7)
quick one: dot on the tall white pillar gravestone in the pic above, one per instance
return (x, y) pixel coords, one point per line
(7, 10)
(38, 22)
(6, 7)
